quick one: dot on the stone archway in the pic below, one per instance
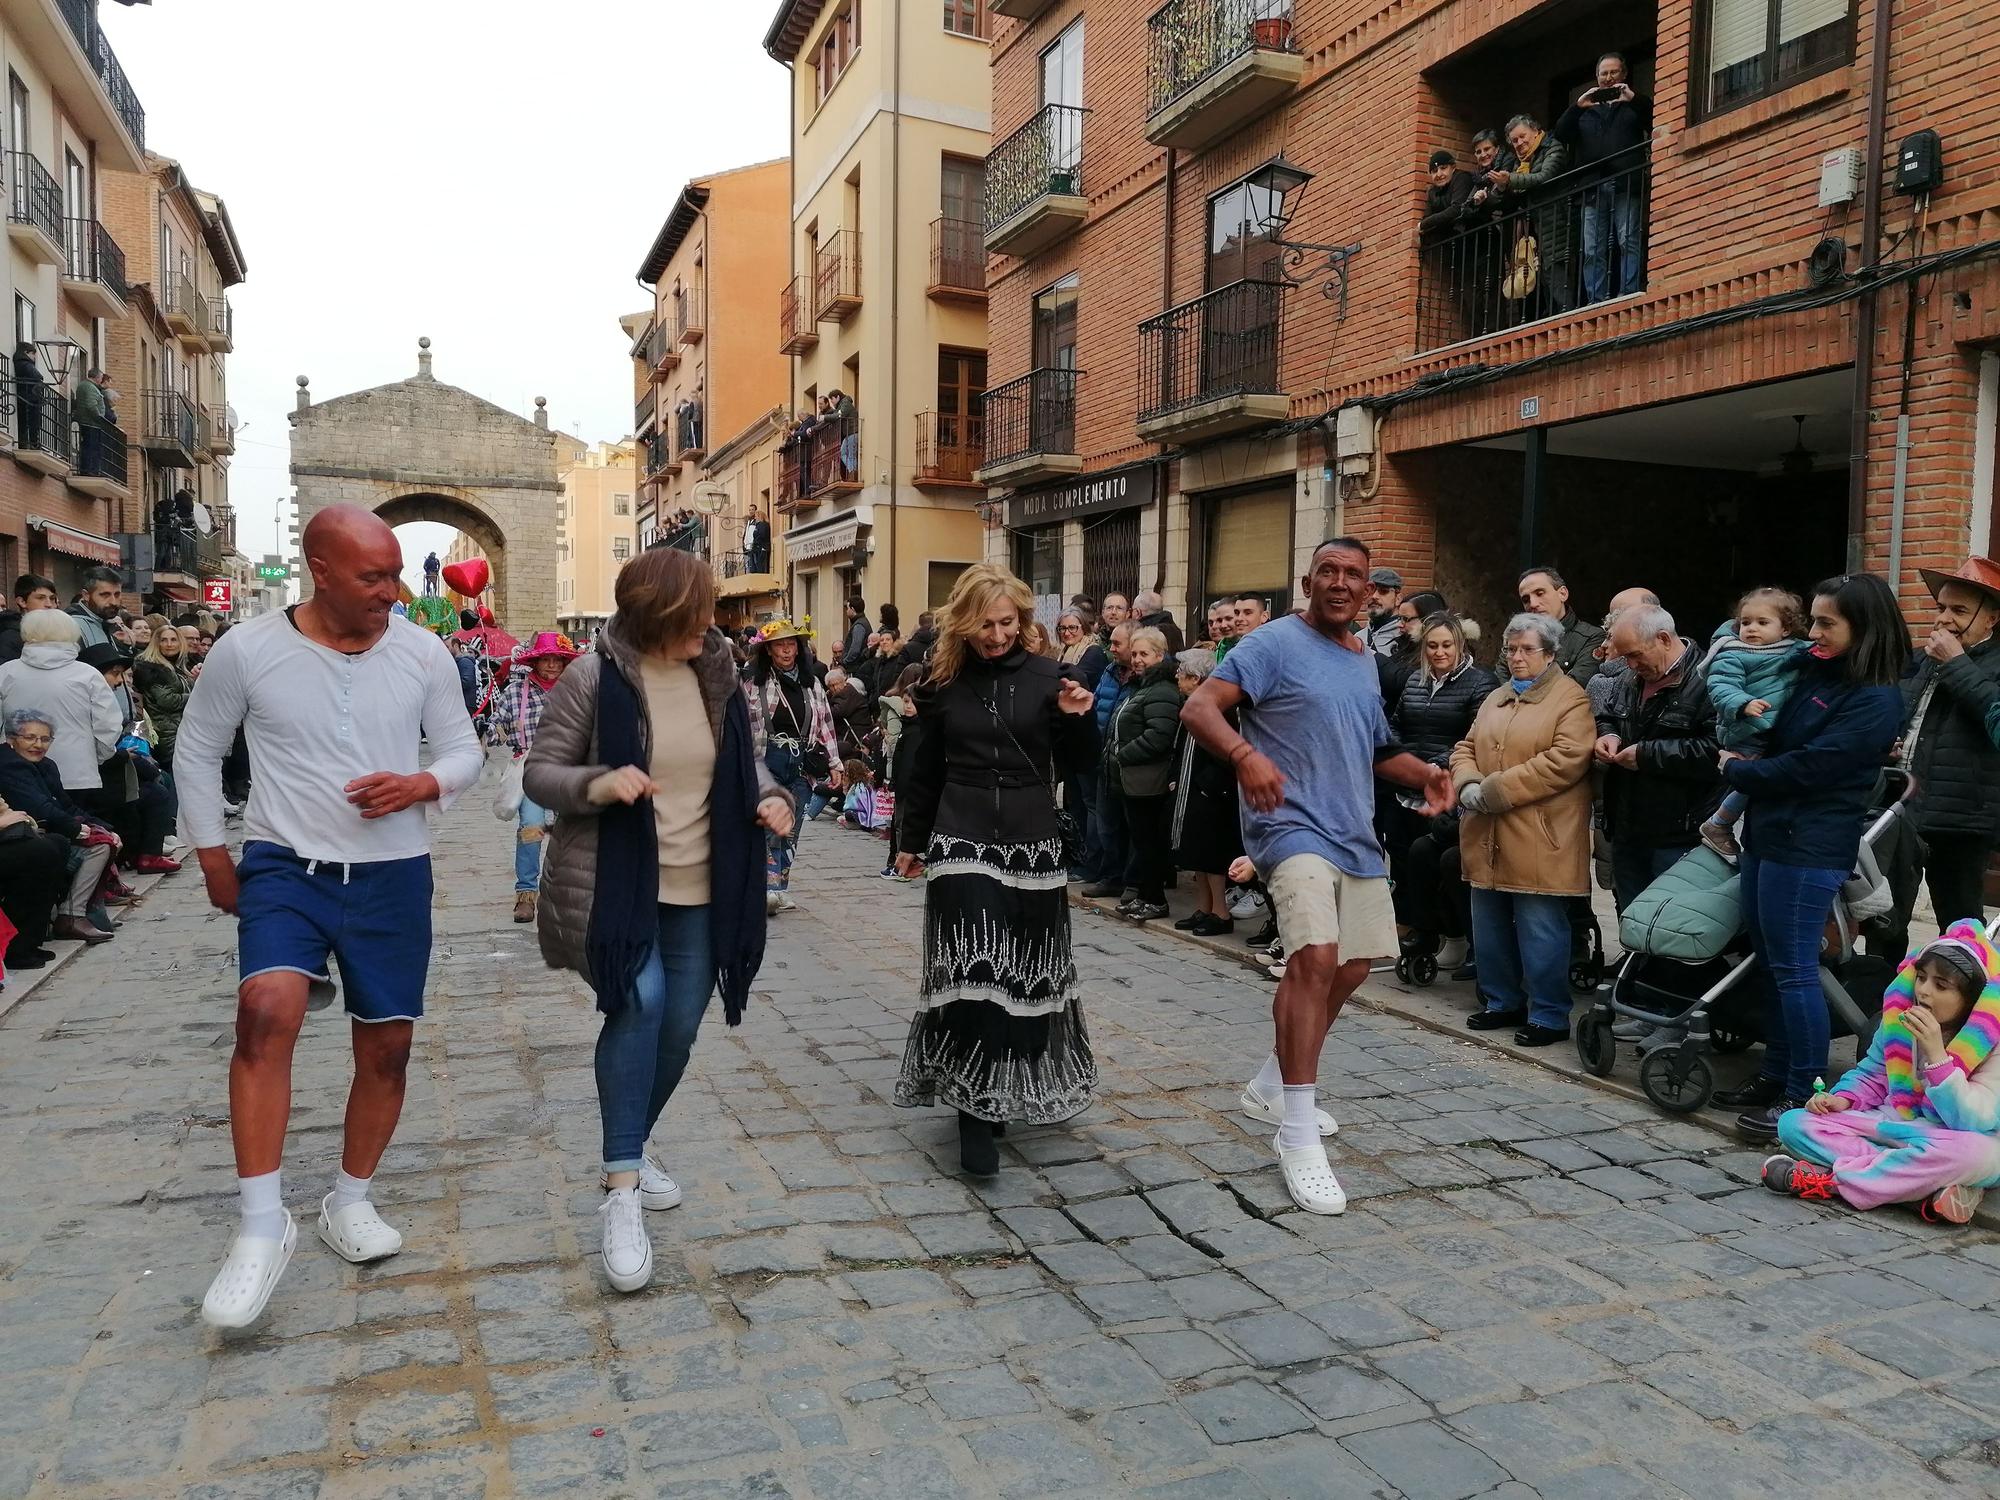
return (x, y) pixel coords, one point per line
(421, 450)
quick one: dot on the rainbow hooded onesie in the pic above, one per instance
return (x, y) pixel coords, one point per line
(1915, 1130)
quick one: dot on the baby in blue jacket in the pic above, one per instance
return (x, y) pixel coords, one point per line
(1750, 673)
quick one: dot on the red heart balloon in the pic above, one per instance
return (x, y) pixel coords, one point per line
(469, 577)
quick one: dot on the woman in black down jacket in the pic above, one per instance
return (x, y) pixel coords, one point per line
(1433, 713)
(1139, 752)
(999, 1034)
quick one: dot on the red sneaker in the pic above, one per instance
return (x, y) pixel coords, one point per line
(1951, 1205)
(156, 864)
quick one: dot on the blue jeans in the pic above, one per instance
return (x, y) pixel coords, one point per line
(1114, 838)
(1785, 908)
(1612, 229)
(1636, 866)
(1731, 807)
(1080, 800)
(528, 851)
(1523, 944)
(779, 852)
(643, 1049)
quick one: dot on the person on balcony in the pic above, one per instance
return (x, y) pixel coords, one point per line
(1444, 200)
(1536, 268)
(28, 384)
(1481, 259)
(1607, 128)
(93, 415)
(757, 542)
(839, 414)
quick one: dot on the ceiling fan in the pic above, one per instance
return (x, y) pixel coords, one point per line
(1798, 463)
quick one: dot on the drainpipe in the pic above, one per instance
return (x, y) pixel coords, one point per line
(1864, 314)
(1161, 497)
(895, 290)
(792, 265)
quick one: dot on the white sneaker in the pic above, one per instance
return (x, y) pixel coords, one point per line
(249, 1275)
(628, 1253)
(1310, 1180)
(656, 1188)
(357, 1232)
(1452, 952)
(1258, 1108)
(783, 902)
(1245, 903)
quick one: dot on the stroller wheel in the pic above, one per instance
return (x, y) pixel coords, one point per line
(1727, 1042)
(1403, 969)
(1594, 1046)
(1585, 975)
(1423, 969)
(1678, 1079)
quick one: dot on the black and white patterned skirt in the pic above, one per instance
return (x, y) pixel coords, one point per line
(1001, 1031)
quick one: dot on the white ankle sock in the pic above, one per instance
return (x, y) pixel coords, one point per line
(1301, 1126)
(262, 1205)
(348, 1191)
(1269, 1082)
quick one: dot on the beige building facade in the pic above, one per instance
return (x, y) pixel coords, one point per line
(597, 534)
(884, 307)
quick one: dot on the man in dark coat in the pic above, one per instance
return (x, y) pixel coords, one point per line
(1444, 199)
(1530, 187)
(1542, 592)
(1607, 127)
(1656, 741)
(1954, 687)
(1153, 613)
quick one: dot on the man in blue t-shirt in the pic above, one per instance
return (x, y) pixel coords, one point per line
(1313, 739)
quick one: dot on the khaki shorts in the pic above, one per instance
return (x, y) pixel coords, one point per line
(1318, 903)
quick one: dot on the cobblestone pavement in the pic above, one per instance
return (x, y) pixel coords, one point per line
(1540, 1288)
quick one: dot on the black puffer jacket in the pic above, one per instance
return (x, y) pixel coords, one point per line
(1431, 718)
(1678, 782)
(1956, 765)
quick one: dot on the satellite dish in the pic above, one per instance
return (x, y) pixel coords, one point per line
(711, 499)
(204, 520)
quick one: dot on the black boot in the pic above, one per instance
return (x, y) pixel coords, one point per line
(1755, 1094)
(978, 1153)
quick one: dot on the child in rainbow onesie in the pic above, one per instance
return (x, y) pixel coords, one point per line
(1918, 1119)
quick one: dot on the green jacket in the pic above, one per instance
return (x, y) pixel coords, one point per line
(88, 404)
(165, 691)
(1141, 742)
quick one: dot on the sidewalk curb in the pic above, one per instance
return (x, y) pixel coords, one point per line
(1987, 1216)
(16, 990)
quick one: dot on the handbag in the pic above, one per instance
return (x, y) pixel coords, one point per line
(1066, 827)
(814, 763)
(507, 800)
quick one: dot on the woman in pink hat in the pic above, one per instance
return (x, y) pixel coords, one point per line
(517, 714)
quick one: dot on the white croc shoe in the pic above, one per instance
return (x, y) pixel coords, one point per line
(249, 1275)
(1258, 1108)
(357, 1232)
(1310, 1180)
(628, 1251)
(656, 1189)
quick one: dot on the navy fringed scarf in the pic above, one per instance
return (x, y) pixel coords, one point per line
(624, 917)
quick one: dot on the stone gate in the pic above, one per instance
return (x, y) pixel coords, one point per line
(421, 450)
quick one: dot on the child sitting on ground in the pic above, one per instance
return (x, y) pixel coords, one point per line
(858, 811)
(1918, 1119)
(1750, 671)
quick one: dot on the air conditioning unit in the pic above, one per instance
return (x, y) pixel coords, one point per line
(1354, 438)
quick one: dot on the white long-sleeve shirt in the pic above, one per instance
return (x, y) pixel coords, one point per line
(317, 719)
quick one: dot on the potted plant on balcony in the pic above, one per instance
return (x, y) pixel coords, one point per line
(1272, 30)
(1062, 182)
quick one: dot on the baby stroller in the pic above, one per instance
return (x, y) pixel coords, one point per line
(1687, 957)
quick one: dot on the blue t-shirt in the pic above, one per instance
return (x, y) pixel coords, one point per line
(1316, 710)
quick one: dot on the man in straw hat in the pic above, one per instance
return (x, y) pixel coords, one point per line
(1945, 744)
(516, 716)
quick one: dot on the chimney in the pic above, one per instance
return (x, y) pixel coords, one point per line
(424, 359)
(542, 412)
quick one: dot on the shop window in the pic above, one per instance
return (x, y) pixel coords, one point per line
(1249, 549)
(1749, 49)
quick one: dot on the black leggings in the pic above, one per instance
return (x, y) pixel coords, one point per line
(1439, 901)
(142, 825)
(1151, 822)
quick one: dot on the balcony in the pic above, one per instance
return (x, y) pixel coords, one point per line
(837, 277)
(34, 209)
(958, 262)
(222, 431)
(690, 432)
(182, 554)
(1020, 10)
(103, 465)
(690, 315)
(187, 313)
(167, 429)
(1210, 366)
(1478, 280)
(654, 461)
(950, 447)
(691, 536)
(204, 435)
(817, 464)
(1212, 66)
(1030, 427)
(94, 269)
(221, 326)
(1034, 183)
(38, 421)
(82, 18)
(647, 411)
(796, 331)
(658, 353)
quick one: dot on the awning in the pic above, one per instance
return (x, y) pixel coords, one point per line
(748, 586)
(824, 538)
(71, 542)
(186, 592)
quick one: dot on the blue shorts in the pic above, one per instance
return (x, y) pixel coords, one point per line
(374, 918)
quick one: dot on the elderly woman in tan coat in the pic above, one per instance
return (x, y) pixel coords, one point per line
(1523, 781)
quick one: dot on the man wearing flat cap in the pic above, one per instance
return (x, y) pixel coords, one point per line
(1385, 592)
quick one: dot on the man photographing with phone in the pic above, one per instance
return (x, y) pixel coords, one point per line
(1607, 128)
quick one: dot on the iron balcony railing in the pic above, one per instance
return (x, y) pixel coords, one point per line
(222, 430)
(958, 255)
(176, 550)
(1223, 344)
(82, 18)
(690, 429)
(204, 431)
(796, 332)
(1517, 258)
(91, 254)
(656, 453)
(815, 460)
(1043, 157)
(690, 314)
(169, 420)
(35, 197)
(647, 408)
(691, 536)
(191, 305)
(221, 321)
(735, 564)
(1188, 41)
(41, 419)
(1032, 415)
(837, 274)
(950, 447)
(102, 453)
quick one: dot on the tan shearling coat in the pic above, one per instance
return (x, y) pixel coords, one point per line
(1530, 754)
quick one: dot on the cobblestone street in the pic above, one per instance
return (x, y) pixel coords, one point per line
(1540, 1288)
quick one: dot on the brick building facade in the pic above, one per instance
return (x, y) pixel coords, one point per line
(1697, 433)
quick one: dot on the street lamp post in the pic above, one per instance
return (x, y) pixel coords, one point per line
(1282, 185)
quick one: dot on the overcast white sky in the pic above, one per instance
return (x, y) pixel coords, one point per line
(485, 172)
